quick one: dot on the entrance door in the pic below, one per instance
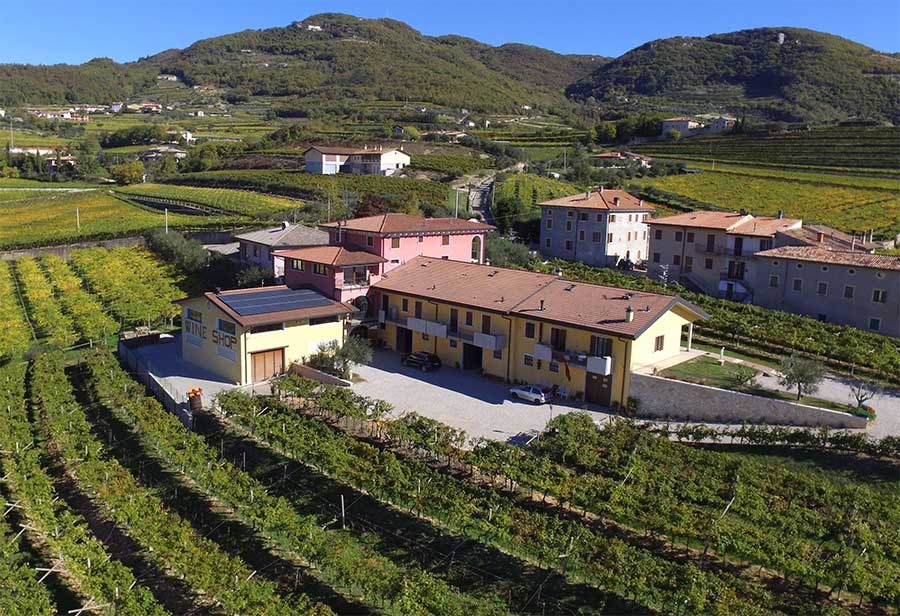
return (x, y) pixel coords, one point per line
(598, 389)
(404, 340)
(729, 290)
(266, 364)
(472, 357)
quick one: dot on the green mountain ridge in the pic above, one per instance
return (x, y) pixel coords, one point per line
(808, 76)
(350, 57)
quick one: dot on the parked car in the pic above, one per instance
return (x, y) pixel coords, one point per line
(426, 361)
(538, 394)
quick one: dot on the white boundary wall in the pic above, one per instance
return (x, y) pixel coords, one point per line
(659, 397)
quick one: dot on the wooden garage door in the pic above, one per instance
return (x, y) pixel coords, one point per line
(267, 364)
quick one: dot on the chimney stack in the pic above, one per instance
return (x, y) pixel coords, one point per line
(820, 236)
(780, 214)
(615, 201)
(629, 314)
(542, 305)
(871, 235)
(601, 190)
(853, 240)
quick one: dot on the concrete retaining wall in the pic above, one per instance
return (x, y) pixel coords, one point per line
(317, 375)
(63, 251)
(659, 397)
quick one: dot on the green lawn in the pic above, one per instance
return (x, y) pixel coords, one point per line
(707, 371)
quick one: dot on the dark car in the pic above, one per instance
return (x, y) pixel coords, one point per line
(425, 361)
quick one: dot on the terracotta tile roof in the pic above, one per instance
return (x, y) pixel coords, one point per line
(831, 238)
(834, 257)
(338, 256)
(604, 199)
(395, 223)
(292, 235)
(519, 292)
(763, 226)
(348, 151)
(327, 308)
(730, 222)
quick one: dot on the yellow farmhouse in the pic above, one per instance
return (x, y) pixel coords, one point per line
(250, 335)
(528, 327)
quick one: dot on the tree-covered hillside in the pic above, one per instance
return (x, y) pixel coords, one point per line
(347, 58)
(807, 76)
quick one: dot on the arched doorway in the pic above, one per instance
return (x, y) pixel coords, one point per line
(476, 249)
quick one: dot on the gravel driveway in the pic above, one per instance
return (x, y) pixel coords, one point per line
(479, 406)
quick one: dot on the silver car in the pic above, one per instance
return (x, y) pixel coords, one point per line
(537, 394)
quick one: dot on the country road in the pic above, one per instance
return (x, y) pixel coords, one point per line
(480, 199)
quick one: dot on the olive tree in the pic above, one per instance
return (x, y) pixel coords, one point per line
(802, 373)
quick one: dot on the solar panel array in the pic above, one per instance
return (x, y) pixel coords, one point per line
(277, 300)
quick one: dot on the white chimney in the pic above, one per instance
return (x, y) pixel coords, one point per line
(629, 314)
(615, 201)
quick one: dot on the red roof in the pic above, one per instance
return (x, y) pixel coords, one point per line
(407, 224)
(531, 295)
(730, 222)
(834, 257)
(338, 256)
(603, 199)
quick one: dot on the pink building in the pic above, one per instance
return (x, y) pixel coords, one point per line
(400, 237)
(342, 273)
(361, 250)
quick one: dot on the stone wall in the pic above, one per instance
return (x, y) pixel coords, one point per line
(659, 397)
(63, 251)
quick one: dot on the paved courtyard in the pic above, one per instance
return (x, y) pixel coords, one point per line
(465, 400)
(483, 408)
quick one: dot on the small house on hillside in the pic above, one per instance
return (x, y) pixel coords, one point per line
(684, 125)
(365, 161)
(258, 247)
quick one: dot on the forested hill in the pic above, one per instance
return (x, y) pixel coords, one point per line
(347, 58)
(807, 76)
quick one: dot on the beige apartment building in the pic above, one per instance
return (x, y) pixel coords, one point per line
(836, 286)
(713, 252)
(599, 227)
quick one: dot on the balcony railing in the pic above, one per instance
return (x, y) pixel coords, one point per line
(577, 359)
(359, 283)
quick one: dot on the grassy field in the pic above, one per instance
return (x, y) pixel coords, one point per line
(845, 207)
(235, 201)
(34, 218)
(834, 147)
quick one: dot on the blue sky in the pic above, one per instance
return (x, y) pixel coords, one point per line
(66, 31)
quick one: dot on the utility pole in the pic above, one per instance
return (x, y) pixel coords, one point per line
(78, 218)
(456, 207)
(167, 221)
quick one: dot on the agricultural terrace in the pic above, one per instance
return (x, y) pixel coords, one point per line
(16, 331)
(847, 208)
(449, 164)
(528, 188)
(39, 217)
(235, 201)
(878, 182)
(836, 148)
(44, 310)
(300, 184)
(134, 285)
